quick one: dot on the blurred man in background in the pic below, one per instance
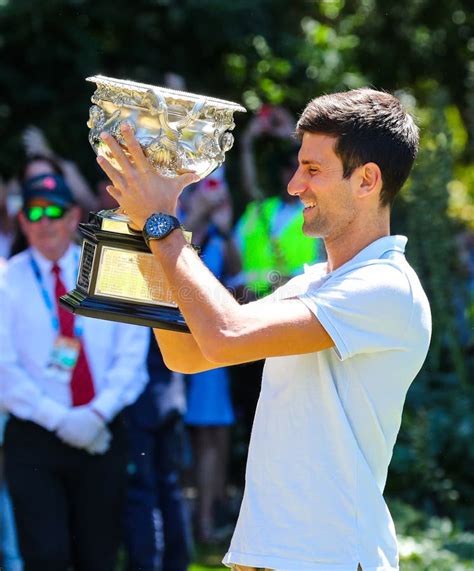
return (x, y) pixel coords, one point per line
(64, 381)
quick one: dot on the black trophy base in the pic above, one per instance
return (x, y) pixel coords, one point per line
(96, 294)
(155, 316)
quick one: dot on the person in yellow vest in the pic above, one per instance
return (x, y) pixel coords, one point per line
(268, 234)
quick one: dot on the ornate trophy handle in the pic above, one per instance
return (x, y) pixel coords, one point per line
(157, 107)
(192, 116)
(169, 146)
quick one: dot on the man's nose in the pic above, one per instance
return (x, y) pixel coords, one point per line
(44, 221)
(296, 185)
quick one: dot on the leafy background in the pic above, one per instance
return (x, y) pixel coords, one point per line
(281, 52)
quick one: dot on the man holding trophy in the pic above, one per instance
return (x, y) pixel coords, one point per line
(342, 342)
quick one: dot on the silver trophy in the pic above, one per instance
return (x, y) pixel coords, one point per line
(118, 277)
(178, 131)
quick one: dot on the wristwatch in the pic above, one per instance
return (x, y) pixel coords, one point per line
(158, 226)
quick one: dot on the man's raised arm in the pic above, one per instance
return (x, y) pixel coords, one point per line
(223, 331)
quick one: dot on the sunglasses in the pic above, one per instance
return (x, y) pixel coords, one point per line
(51, 211)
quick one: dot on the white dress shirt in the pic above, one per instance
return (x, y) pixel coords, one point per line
(116, 352)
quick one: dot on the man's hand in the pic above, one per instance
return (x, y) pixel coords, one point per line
(137, 187)
(80, 427)
(101, 444)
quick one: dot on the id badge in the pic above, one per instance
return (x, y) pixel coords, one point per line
(63, 358)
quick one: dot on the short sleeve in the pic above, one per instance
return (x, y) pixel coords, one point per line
(365, 310)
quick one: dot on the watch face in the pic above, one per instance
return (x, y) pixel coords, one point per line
(159, 226)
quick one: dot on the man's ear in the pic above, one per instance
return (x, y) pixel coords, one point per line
(370, 180)
(74, 216)
(23, 221)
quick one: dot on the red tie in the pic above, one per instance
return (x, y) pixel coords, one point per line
(82, 385)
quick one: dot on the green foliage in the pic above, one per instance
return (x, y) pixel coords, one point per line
(434, 450)
(435, 443)
(430, 543)
(206, 568)
(461, 194)
(432, 251)
(420, 43)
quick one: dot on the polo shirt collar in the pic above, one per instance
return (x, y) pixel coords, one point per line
(373, 251)
(377, 249)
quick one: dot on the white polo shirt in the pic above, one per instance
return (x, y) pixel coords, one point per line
(326, 422)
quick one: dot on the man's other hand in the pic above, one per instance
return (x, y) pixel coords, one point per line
(80, 427)
(101, 444)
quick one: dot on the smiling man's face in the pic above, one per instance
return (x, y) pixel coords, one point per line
(329, 203)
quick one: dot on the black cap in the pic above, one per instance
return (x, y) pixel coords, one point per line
(51, 187)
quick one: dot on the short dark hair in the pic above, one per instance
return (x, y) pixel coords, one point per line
(370, 126)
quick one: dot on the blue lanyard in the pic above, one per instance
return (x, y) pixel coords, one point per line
(49, 302)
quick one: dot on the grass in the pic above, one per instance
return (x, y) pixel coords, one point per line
(196, 567)
(209, 557)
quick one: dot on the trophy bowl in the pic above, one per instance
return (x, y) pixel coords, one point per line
(177, 131)
(118, 277)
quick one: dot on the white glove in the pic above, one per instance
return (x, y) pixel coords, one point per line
(80, 427)
(101, 444)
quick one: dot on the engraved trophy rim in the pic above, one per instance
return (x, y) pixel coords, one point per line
(130, 85)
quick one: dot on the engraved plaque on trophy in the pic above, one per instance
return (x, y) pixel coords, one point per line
(119, 279)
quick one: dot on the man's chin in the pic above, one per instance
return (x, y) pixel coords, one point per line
(51, 251)
(312, 231)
